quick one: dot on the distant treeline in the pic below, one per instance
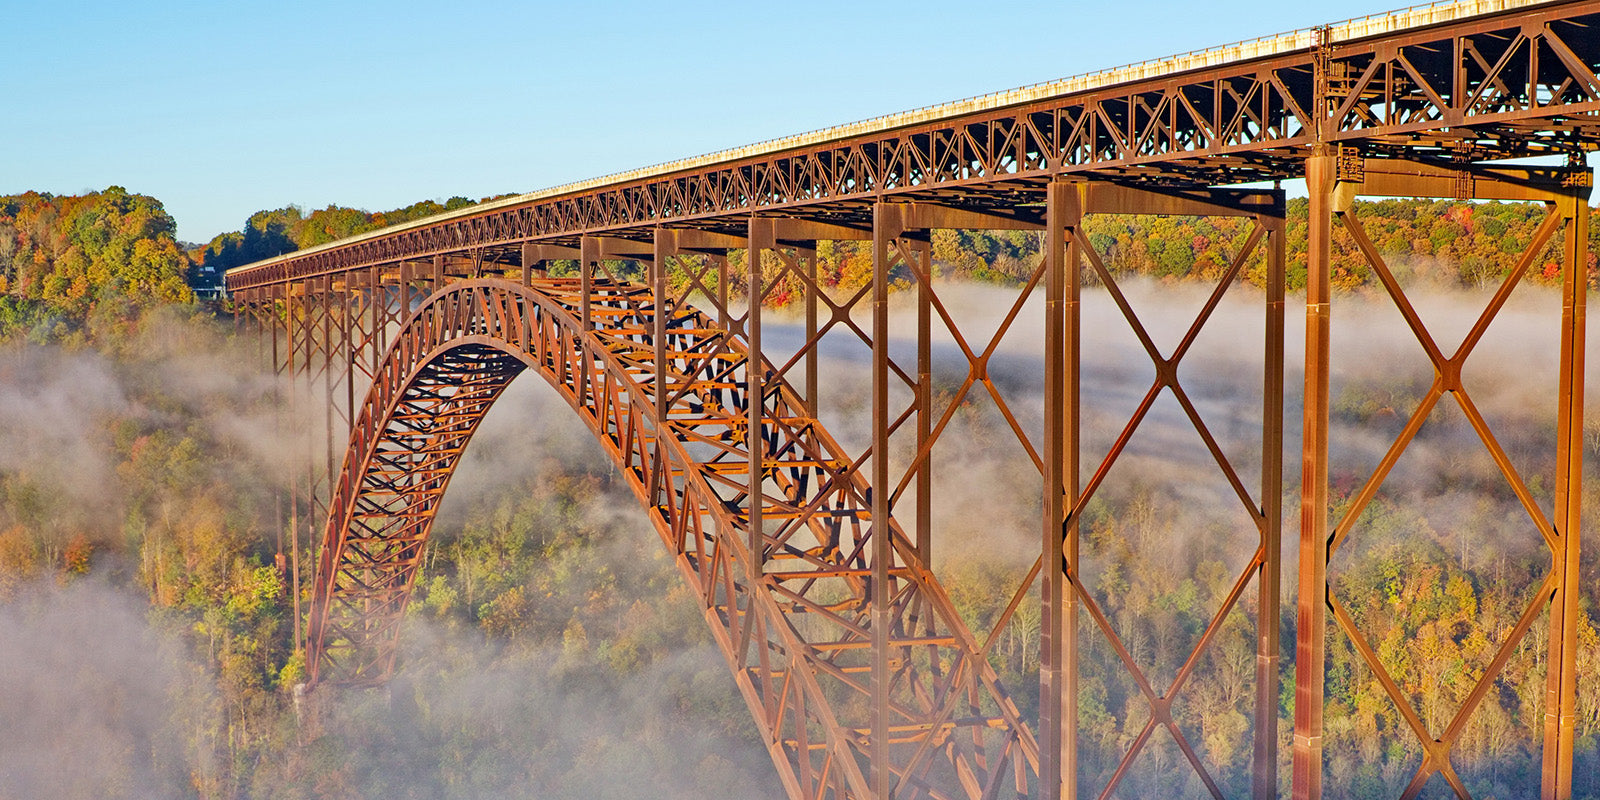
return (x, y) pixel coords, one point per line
(284, 230)
(1442, 242)
(68, 261)
(62, 257)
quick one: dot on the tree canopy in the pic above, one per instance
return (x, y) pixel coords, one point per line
(284, 230)
(62, 257)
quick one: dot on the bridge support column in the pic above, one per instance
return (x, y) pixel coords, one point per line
(346, 349)
(1269, 658)
(665, 245)
(1311, 617)
(268, 307)
(283, 364)
(1565, 613)
(593, 252)
(762, 237)
(1334, 182)
(588, 262)
(403, 293)
(1067, 493)
(380, 314)
(309, 359)
(528, 260)
(924, 408)
(326, 355)
(886, 227)
(893, 226)
(1058, 658)
(810, 269)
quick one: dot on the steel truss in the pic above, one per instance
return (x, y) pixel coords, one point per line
(861, 678)
(1065, 594)
(1334, 182)
(801, 606)
(1514, 83)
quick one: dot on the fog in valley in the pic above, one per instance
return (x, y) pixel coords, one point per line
(551, 650)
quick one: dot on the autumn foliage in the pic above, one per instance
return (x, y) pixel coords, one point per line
(546, 601)
(62, 258)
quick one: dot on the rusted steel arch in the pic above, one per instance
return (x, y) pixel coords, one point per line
(790, 609)
(368, 564)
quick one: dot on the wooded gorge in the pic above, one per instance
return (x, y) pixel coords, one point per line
(551, 650)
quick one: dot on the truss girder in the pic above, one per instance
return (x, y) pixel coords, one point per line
(799, 610)
(1334, 182)
(1515, 83)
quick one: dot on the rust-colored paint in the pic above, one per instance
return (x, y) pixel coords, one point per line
(766, 513)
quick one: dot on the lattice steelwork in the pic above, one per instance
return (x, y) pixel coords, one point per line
(678, 432)
(860, 675)
(1478, 87)
(1334, 183)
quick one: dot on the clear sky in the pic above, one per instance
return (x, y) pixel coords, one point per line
(222, 109)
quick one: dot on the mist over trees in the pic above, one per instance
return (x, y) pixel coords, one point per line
(551, 650)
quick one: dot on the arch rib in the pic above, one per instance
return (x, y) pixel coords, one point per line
(792, 620)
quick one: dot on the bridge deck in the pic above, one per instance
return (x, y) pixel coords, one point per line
(1453, 81)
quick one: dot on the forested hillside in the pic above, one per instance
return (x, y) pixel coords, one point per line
(551, 650)
(284, 230)
(62, 258)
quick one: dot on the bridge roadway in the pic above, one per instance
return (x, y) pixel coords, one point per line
(862, 679)
(1458, 82)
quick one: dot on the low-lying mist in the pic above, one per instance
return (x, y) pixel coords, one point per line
(1379, 375)
(1166, 535)
(552, 651)
(94, 701)
(152, 660)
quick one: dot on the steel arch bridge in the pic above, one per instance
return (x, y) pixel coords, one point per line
(667, 396)
(860, 675)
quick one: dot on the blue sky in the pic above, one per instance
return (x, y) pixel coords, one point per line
(221, 109)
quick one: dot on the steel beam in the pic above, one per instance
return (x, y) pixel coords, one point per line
(886, 227)
(1311, 617)
(761, 238)
(1058, 695)
(923, 401)
(665, 247)
(1566, 612)
(528, 259)
(1264, 766)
